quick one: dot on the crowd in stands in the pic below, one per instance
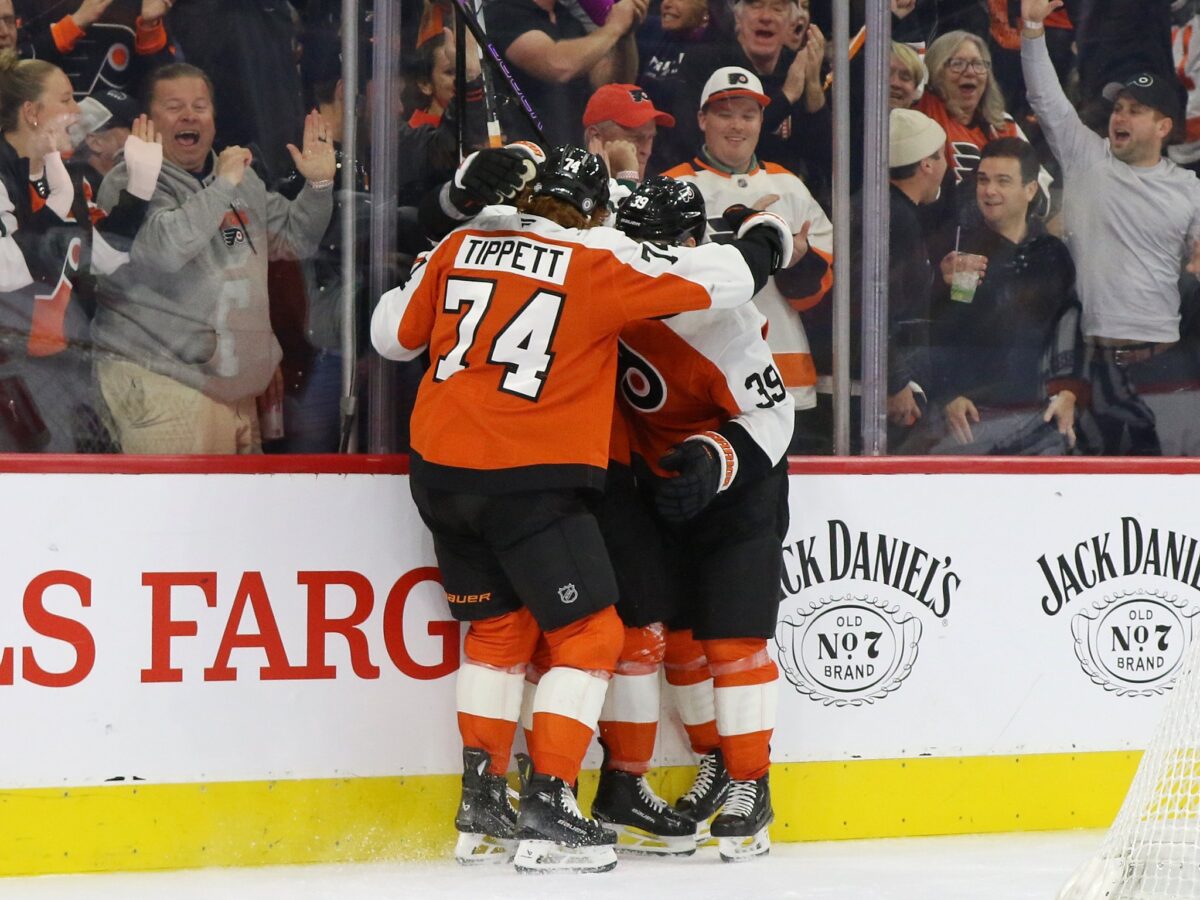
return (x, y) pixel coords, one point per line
(172, 182)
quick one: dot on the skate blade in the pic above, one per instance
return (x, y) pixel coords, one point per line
(631, 839)
(547, 856)
(738, 849)
(473, 849)
(704, 837)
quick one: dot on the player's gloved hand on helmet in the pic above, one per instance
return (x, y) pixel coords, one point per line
(490, 176)
(704, 468)
(761, 226)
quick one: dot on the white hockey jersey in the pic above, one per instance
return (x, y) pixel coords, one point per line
(696, 371)
(810, 280)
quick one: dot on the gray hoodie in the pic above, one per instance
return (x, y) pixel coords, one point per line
(192, 302)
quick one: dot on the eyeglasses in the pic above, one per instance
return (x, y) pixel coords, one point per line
(959, 65)
(8, 21)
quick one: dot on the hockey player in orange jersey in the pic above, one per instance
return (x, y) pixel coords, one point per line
(520, 312)
(698, 546)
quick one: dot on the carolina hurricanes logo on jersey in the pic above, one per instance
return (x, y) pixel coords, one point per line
(642, 386)
(965, 157)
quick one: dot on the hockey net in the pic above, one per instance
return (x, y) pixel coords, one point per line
(1152, 851)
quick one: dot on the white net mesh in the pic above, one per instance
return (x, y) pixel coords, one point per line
(1152, 851)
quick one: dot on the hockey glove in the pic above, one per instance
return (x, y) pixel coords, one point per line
(762, 226)
(706, 464)
(489, 176)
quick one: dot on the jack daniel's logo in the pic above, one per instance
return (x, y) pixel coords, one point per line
(856, 647)
(847, 651)
(1131, 640)
(873, 558)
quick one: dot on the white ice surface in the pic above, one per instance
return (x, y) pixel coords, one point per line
(1000, 867)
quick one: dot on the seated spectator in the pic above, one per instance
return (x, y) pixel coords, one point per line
(906, 78)
(798, 36)
(728, 171)
(917, 165)
(796, 130)
(664, 42)
(990, 341)
(103, 43)
(184, 328)
(427, 148)
(965, 100)
(558, 62)
(8, 25)
(106, 121)
(429, 85)
(46, 387)
(625, 113)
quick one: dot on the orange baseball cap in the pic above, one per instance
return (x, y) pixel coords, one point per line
(626, 104)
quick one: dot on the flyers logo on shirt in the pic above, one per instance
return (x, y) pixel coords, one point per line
(964, 156)
(233, 227)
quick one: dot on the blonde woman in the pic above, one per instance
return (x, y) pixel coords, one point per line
(964, 99)
(45, 375)
(906, 77)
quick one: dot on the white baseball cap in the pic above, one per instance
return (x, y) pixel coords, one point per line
(733, 81)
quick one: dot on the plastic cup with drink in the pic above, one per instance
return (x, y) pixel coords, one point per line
(966, 273)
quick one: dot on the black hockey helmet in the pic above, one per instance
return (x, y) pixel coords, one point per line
(663, 210)
(574, 176)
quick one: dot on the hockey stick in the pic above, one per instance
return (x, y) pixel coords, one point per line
(490, 110)
(856, 44)
(468, 18)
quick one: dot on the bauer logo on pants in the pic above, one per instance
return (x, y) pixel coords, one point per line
(847, 651)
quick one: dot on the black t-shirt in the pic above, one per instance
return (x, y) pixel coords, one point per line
(559, 107)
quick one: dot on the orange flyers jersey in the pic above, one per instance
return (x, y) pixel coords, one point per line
(696, 371)
(964, 143)
(521, 318)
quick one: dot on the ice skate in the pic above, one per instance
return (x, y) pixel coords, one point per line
(741, 828)
(642, 821)
(704, 798)
(486, 820)
(555, 836)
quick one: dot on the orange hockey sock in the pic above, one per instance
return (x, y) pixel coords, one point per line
(567, 703)
(690, 687)
(745, 692)
(488, 689)
(629, 719)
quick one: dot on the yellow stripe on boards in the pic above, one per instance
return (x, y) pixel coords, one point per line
(125, 827)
